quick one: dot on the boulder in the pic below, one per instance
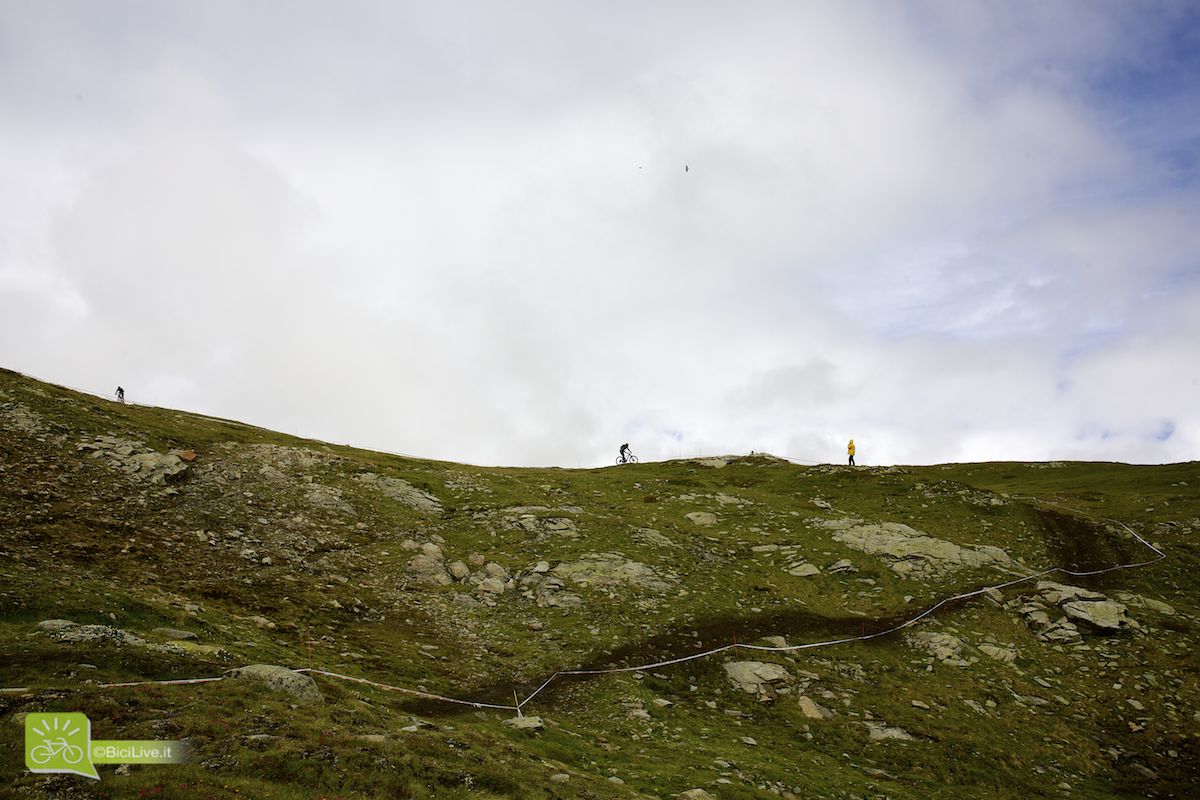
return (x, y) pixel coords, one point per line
(530, 724)
(175, 633)
(1005, 655)
(880, 731)
(280, 679)
(600, 570)
(458, 570)
(401, 491)
(913, 554)
(1059, 593)
(1106, 615)
(694, 794)
(428, 569)
(943, 646)
(490, 586)
(757, 677)
(704, 519)
(814, 710)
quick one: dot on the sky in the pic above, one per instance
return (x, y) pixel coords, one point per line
(523, 233)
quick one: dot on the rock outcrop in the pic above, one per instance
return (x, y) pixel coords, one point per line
(280, 679)
(914, 554)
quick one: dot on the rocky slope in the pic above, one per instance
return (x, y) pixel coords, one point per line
(141, 543)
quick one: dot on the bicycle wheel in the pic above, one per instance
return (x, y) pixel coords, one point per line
(41, 754)
(72, 754)
(632, 459)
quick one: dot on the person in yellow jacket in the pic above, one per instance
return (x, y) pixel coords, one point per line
(850, 450)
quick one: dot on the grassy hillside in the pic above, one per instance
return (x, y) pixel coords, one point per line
(479, 583)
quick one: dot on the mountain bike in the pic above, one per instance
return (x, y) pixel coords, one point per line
(631, 459)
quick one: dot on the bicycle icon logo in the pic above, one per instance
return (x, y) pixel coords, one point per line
(59, 742)
(44, 752)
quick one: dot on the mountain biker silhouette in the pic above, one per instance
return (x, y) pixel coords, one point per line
(626, 455)
(120, 395)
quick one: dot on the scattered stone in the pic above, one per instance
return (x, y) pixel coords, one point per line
(704, 519)
(804, 570)
(750, 741)
(280, 679)
(823, 504)
(694, 794)
(920, 704)
(458, 570)
(843, 565)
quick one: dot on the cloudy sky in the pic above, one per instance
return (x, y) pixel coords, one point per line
(526, 232)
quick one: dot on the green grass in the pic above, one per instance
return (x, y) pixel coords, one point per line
(83, 542)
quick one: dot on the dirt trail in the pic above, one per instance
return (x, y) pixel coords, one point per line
(1082, 544)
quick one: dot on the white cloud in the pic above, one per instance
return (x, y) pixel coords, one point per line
(467, 233)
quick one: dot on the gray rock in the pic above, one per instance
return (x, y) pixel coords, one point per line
(175, 633)
(1062, 631)
(813, 710)
(280, 679)
(880, 731)
(1138, 601)
(560, 777)
(913, 554)
(458, 570)
(1006, 655)
(1059, 593)
(402, 491)
(530, 724)
(943, 646)
(601, 570)
(491, 586)
(843, 565)
(429, 570)
(55, 625)
(694, 794)
(757, 677)
(804, 570)
(1103, 615)
(704, 519)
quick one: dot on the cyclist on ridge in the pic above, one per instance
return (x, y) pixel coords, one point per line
(625, 453)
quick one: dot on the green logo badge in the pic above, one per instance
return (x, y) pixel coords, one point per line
(59, 742)
(62, 742)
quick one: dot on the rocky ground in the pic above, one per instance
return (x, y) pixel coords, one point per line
(149, 543)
